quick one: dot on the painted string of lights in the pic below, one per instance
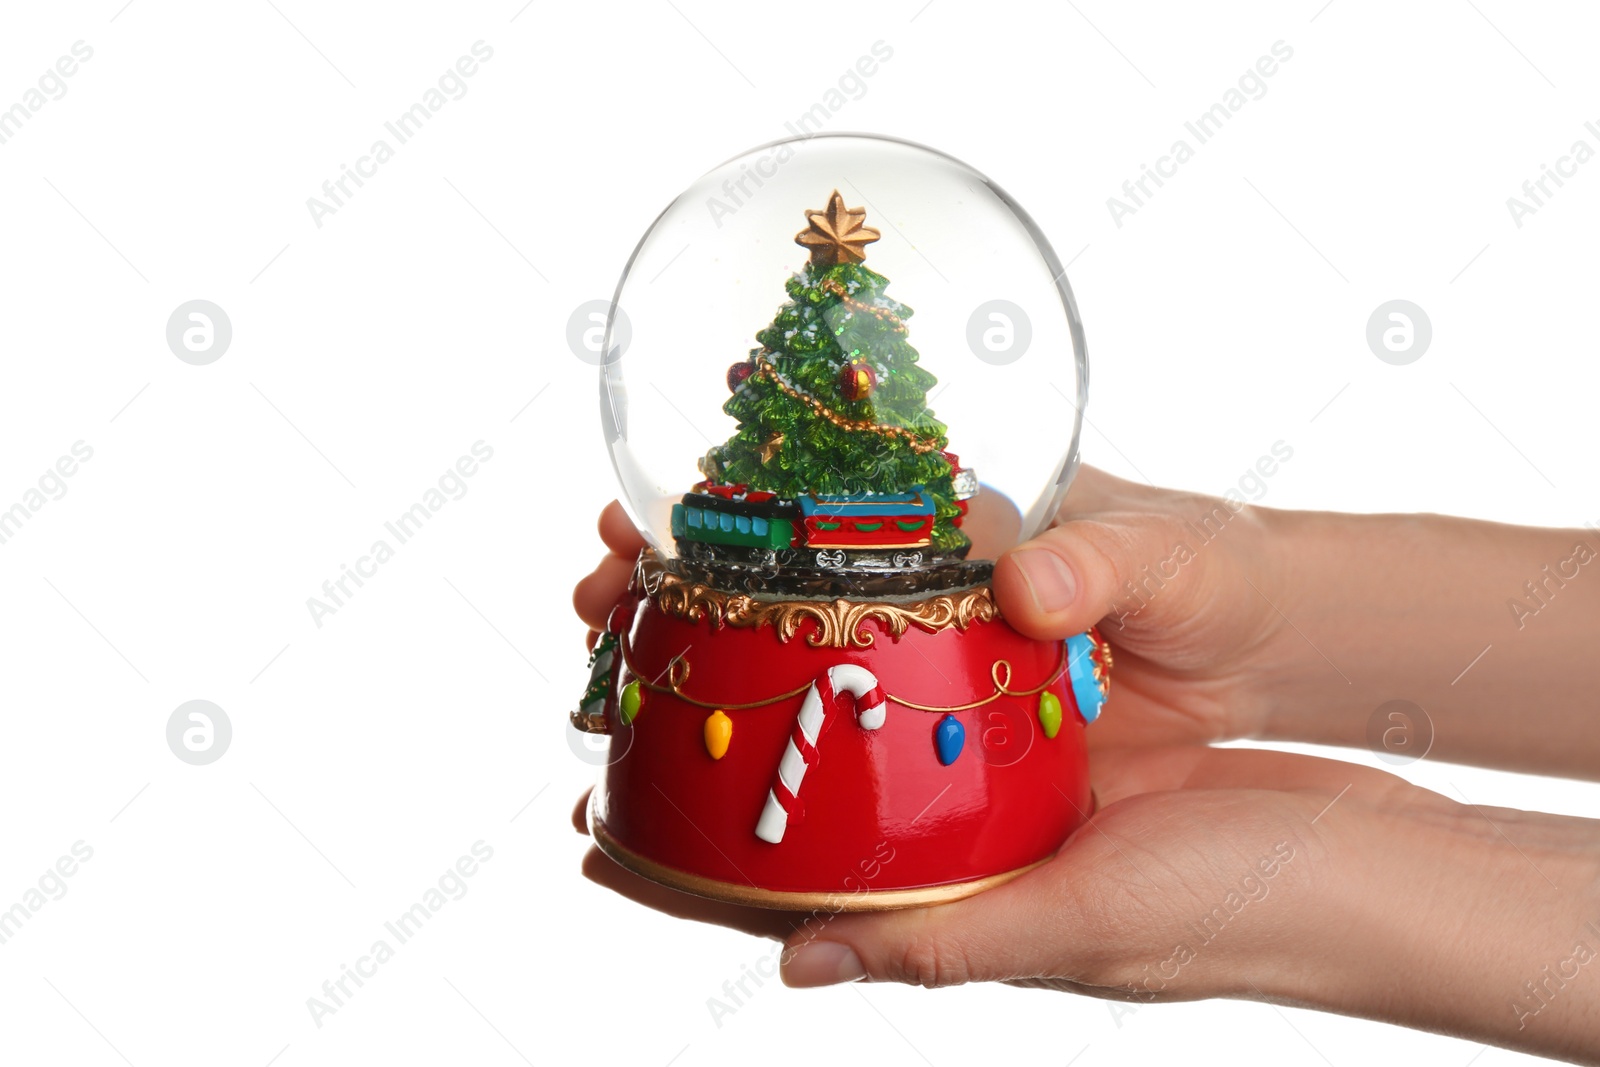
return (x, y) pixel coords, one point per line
(949, 733)
(677, 672)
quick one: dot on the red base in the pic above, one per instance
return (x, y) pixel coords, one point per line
(879, 812)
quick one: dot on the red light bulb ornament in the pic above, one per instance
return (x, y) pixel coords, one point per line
(857, 380)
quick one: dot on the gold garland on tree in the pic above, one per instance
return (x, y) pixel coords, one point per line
(836, 287)
(917, 441)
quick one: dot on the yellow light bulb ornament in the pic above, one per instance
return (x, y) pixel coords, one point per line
(718, 732)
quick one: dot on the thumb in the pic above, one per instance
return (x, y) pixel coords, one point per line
(1072, 576)
(1003, 934)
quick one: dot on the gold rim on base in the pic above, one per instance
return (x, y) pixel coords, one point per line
(790, 900)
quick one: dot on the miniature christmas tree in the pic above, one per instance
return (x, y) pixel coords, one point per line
(834, 403)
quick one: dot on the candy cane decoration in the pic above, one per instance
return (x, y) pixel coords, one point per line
(815, 713)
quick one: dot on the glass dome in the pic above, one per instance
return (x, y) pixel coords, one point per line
(847, 352)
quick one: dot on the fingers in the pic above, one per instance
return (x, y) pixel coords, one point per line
(596, 593)
(1122, 888)
(1046, 925)
(1068, 578)
(1005, 934)
(1093, 491)
(992, 522)
(1118, 548)
(1064, 581)
(1124, 772)
(618, 531)
(1172, 581)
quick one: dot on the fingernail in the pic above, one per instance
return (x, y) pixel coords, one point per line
(821, 963)
(1049, 579)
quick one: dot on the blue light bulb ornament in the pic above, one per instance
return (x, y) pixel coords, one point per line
(948, 739)
(1088, 691)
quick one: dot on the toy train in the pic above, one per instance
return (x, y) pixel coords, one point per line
(858, 530)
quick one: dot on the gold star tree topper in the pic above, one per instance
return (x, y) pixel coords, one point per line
(836, 235)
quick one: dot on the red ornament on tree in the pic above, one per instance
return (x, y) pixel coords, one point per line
(856, 381)
(737, 373)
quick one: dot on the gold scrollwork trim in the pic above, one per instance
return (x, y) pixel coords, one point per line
(838, 623)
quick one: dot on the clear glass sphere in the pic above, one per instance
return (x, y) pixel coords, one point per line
(880, 392)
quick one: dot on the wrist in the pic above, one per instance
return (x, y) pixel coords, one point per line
(1364, 616)
(1425, 608)
(1297, 579)
(1448, 917)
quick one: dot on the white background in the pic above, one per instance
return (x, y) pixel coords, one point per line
(429, 313)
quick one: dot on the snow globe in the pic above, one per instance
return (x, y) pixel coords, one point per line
(812, 698)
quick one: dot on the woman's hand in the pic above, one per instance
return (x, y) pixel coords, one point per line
(1241, 622)
(1258, 875)
(1173, 581)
